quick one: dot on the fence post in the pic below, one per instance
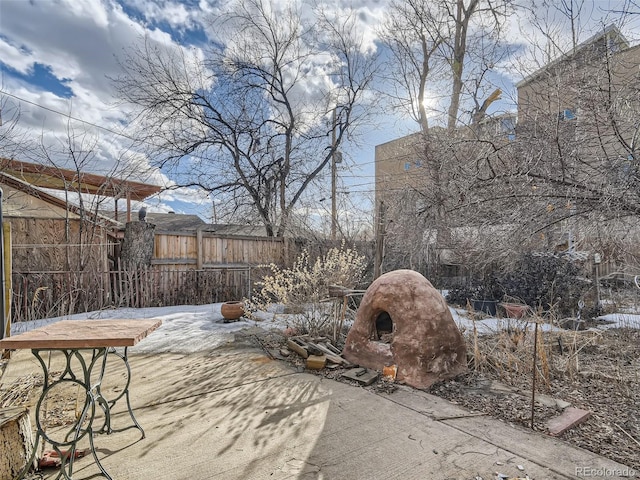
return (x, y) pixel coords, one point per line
(5, 331)
(199, 252)
(8, 285)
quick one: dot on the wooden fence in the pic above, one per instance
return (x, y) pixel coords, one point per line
(152, 287)
(188, 268)
(202, 249)
(39, 295)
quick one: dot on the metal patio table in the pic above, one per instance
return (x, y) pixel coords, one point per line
(98, 340)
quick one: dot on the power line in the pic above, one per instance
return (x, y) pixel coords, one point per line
(106, 129)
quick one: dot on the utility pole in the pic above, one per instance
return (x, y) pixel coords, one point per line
(380, 234)
(333, 178)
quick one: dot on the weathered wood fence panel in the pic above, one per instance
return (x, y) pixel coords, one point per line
(54, 244)
(45, 294)
(209, 249)
(187, 268)
(39, 295)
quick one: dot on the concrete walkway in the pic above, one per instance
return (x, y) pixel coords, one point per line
(233, 413)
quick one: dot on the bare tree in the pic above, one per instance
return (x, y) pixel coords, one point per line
(13, 140)
(413, 32)
(249, 119)
(433, 44)
(461, 15)
(570, 179)
(76, 152)
(448, 47)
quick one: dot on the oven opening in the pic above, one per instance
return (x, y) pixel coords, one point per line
(384, 328)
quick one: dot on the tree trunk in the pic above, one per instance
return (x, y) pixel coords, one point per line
(137, 248)
(463, 16)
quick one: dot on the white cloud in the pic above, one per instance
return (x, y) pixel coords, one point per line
(82, 40)
(367, 18)
(174, 13)
(20, 59)
(93, 11)
(79, 41)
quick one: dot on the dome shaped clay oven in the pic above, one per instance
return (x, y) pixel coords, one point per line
(404, 321)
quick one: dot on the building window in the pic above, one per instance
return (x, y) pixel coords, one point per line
(508, 128)
(567, 114)
(507, 125)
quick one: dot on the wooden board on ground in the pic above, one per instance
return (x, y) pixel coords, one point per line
(316, 362)
(362, 375)
(332, 357)
(297, 346)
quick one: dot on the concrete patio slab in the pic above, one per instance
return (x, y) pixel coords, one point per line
(234, 413)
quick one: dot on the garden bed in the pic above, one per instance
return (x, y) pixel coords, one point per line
(592, 370)
(599, 373)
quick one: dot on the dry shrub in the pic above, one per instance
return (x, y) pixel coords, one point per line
(303, 287)
(508, 353)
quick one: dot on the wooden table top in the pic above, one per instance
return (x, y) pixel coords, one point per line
(70, 334)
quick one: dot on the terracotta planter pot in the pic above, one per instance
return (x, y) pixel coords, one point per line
(232, 310)
(515, 310)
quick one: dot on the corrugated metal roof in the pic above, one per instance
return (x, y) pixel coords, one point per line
(30, 189)
(62, 179)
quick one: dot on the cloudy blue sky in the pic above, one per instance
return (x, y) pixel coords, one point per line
(57, 56)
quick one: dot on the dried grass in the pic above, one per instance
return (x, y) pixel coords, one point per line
(508, 353)
(597, 370)
(19, 391)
